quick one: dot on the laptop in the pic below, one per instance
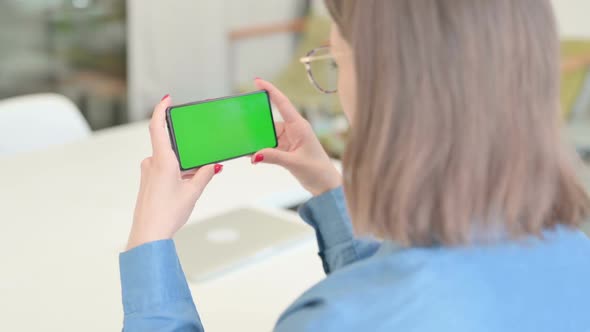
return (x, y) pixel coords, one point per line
(227, 242)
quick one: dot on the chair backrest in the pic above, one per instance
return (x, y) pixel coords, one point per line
(38, 121)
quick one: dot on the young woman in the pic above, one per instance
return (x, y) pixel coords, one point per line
(454, 163)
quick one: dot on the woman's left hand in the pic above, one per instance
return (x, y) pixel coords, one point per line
(166, 196)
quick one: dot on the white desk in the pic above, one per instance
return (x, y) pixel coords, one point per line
(65, 214)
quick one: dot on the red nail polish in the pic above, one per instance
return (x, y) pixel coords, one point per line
(258, 158)
(166, 96)
(217, 168)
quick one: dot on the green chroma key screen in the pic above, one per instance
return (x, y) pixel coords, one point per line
(215, 130)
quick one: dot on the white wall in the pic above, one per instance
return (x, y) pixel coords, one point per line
(265, 56)
(180, 47)
(175, 47)
(573, 17)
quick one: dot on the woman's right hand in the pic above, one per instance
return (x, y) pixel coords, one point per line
(299, 150)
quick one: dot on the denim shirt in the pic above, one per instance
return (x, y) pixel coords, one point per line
(533, 285)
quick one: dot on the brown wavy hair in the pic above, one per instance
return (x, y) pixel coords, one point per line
(456, 130)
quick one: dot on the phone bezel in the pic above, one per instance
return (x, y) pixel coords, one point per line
(170, 126)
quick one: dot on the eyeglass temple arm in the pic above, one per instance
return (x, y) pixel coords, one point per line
(307, 59)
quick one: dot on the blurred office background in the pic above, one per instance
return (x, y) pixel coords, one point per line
(88, 72)
(114, 59)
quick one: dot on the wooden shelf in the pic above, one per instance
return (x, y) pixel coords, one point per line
(255, 31)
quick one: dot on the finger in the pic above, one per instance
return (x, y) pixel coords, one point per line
(158, 132)
(272, 156)
(187, 175)
(202, 177)
(283, 145)
(287, 110)
(279, 129)
(145, 165)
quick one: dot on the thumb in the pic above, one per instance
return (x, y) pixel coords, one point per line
(272, 156)
(201, 178)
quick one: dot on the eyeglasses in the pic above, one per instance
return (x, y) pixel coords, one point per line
(322, 69)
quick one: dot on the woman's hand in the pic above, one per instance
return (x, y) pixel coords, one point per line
(299, 150)
(166, 196)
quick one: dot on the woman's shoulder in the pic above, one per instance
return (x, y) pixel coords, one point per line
(393, 266)
(380, 283)
(409, 285)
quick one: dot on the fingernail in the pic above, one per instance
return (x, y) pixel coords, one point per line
(217, 168)
(257, 78)
(258, 158)
(166, 96)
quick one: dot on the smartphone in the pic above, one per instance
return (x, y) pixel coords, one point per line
(215, 130)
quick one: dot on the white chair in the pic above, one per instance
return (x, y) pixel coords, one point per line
(38, 121)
